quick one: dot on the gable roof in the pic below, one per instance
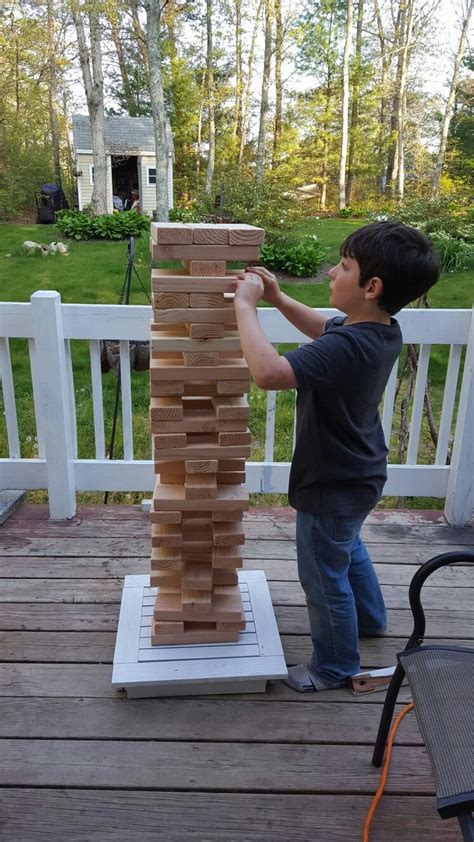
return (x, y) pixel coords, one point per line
(122, 134)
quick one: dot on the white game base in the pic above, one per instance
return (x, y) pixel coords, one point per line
(242, 667)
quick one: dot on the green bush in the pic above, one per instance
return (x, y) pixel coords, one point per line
(447, 214)
(297, 257)
(109, 226)
(454, 254)
(185, 214)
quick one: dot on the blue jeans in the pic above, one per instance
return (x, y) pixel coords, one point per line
(342, 591)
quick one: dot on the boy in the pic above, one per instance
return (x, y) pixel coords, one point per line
(339, 464)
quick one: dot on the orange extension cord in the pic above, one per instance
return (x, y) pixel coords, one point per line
(383, 777)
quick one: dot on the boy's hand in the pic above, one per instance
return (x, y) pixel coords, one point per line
(272, 291)
(250, 289)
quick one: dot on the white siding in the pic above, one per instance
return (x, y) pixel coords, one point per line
(84, 162)
(148, 197)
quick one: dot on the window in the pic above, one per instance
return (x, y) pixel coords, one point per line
(150, 176)
(91, 174)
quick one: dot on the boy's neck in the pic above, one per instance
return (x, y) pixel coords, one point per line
(369, 314)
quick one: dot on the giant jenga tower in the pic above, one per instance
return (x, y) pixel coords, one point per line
(199, 423)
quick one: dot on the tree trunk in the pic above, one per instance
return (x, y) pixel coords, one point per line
(91, 66)
(237, 126)
(392, 160)
(248, 92)
(448, 113)
(407, 28)
(211, 160)
(381, 179)
(53, 95)
(260, 157)
(111, 11)
(345, 107)
(153, 41)
(355, 103)
(278, 83)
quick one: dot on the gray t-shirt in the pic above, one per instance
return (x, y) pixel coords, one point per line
(340, 461)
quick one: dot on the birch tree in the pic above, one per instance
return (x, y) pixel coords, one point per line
(53, 93)
(211, 108)
(249, 80)
(154, 10)
(238, 104)
(355, 102)
(448, 112)
(91, 66)
(345, 106)
(278, 82)
(260, 157)
(408, 7)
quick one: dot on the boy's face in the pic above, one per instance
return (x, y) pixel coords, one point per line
(345, 292)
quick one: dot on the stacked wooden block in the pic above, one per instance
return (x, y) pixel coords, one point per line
(199, 422)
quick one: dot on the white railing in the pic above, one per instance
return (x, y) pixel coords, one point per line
(49, 327)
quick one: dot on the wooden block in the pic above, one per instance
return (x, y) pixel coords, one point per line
(162, 627)
(162, 251)
(208, 234)
(231, 407)
(226, 562)
(166, 535)
(178, 280)
(206, 331)
(231, 465)
(172, 369)
(227, 534)
(196, 602)
(166, 409)
(199, 486)
(201, 466)
(162, 341)
(167, 517)
(165, 578)
(233, 439)
(170, 300)
(163, 387)
(169, 441)
(197, 358)
(193, 633)
(199, 421)
(166, 558)
(171, 232)
(201, 447)
(230, 626)
(230, 515)
(225, 577)
(197, 576)
(225, 607)
(196, 315)
(171, 477)
(207, 300)
(230, 477)
(172, 497)
(205, 268)
(245, 235)
(231, 387)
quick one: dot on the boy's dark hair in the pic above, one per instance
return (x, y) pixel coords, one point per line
(402, 257)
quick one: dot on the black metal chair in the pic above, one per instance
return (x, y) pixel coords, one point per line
(441, 679)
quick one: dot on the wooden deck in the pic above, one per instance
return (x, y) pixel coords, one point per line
(79, 762)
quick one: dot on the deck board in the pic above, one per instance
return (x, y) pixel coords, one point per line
(80, 761)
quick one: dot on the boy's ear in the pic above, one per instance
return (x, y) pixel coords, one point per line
(374, 287)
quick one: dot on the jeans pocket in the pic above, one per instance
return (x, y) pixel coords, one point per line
(345, 529)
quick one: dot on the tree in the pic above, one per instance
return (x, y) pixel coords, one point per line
(407, 8)
(248, 85)
(278, 82)
(91, 66)
(154, 48)
(355, 102)
(260, 156)
(448, 113)
(211, 117)
(345, 106)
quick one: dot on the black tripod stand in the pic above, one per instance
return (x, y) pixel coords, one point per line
(124, 299)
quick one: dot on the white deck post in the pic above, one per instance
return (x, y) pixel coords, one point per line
(459, 504)
(53, 402)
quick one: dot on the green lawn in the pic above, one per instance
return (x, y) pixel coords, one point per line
(93, 272)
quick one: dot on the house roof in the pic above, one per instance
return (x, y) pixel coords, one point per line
(122, 134)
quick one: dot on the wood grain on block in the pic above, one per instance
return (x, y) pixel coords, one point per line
(196, 315)
(166, 409)
(245, 235)
(169, 441)
(227, 534)
(193, 633)
(197, 576)
(205, 268)
(171, 369)
(171, 476)
(198, 358)
(202, 447)
(209, 234)
(162, 251)
(196, 603)
(229, 515)
(231, 465)
(170, 300)
(166, 558)
(181, 341)
(171, 233)
(171, 497)
(231, 387)
(231, 477)
(207, 300)
(223, 607)
(199, 421)
(178, 280)
(165, 578)
(161, 388)
(231, 407)
(167, 517)
(225, 577)
(227, 558)
(199, 486)
(166, 535)
(206, 330)
(201, 466)
(169, 628)
(231, 627)
(234, 439)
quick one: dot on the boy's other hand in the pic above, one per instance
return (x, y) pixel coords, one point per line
(272, 291)
(250, 288)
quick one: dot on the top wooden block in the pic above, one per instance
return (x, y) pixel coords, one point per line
(180, 233)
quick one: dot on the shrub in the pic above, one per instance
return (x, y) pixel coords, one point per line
(297, 257)
(109, 226)
(455, 254)
(186, 214)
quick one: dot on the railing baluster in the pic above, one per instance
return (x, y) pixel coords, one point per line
(418, 401)
(270, 426)
(126, 387)
(388, 402)
(97, 398)
(71, 395)
(449, 398)
(8, 390)
(34, 383)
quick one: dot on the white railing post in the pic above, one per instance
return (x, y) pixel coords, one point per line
(459, 504)
(53, 402)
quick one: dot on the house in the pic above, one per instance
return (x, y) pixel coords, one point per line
(131, 162)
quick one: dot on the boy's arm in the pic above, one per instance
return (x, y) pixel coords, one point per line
(309, 321)
(268, 369)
